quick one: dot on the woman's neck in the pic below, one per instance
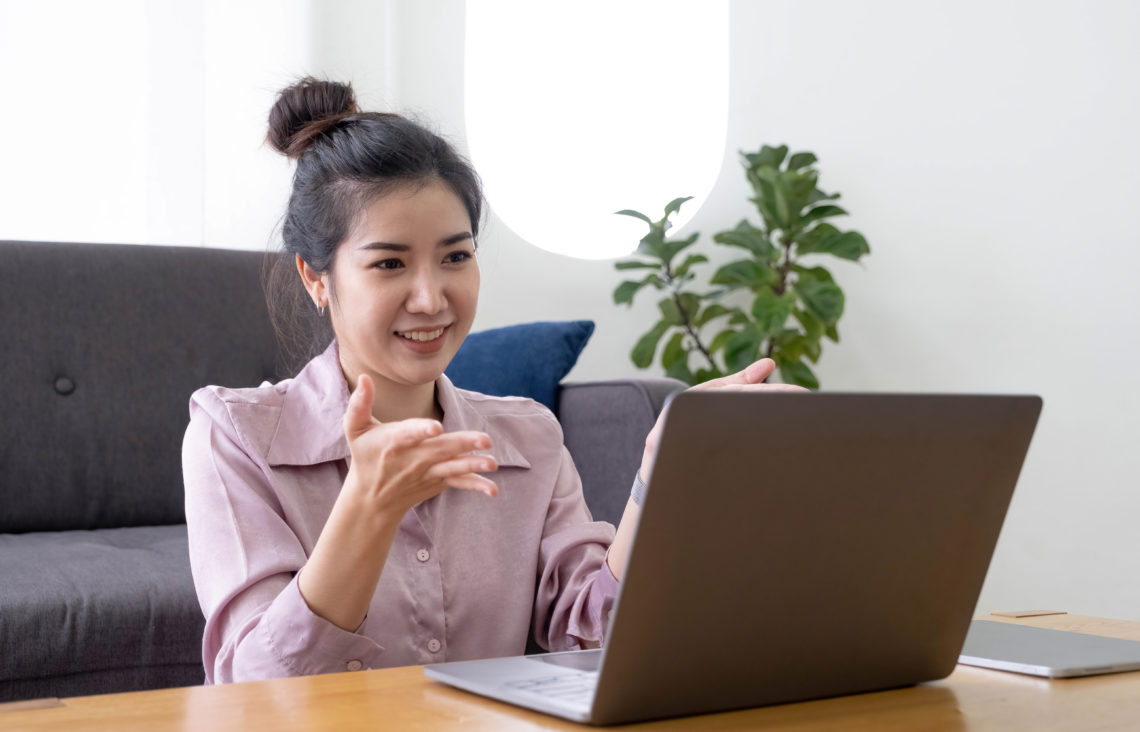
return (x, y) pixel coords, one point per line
(396, 402)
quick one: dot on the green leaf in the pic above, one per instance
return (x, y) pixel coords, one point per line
(671, 249)
(739, 318)
(788, 345)
(801, 160)
(848, 245)
(636, 265)
(818, 195)
(815, 273)
(797, 372)
(745, 273)
(766, 198)
(674, 350)
(652, 244)
(688, 263)
(811, 325)
(690, 304)
(711, 312)
(669, 312)
(793, 191)
(719, 340)
(624, 293)
(642, 353)
(832, 333)
(680, 370)
(747, 236)
(822, 299)
(675, 205)
(771, 310)
(767, 157)
(812, 240)
(704, 375)
(634, 214)
(741, 349)
(822, 212)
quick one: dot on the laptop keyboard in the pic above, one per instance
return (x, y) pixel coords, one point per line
(574, 687)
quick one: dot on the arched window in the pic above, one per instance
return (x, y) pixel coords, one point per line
(577, 110)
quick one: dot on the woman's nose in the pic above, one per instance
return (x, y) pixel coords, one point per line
(426, 295)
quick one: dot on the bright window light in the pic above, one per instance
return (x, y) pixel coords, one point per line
(577, 110)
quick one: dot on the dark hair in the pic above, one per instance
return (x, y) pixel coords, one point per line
(345, 159)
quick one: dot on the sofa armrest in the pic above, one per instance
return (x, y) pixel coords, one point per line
(605, 424)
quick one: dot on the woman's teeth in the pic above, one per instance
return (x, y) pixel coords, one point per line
(423, 335)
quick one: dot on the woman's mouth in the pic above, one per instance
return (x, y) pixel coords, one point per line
(423, 341)
(421, 336)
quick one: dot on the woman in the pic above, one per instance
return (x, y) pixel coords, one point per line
(347, 518)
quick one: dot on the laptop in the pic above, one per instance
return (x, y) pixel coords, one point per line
(790, 547)
(1055, 654)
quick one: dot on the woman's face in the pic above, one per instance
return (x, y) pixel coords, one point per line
(405, 287)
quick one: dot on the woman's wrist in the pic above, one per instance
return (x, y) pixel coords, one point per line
(637, 493)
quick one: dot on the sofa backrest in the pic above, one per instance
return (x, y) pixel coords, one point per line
(103, 345)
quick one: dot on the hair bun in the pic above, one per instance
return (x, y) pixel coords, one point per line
(305, 110)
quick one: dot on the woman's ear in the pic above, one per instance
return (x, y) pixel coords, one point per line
(314, 283)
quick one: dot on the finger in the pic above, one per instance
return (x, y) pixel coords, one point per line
(760, 387)
(465, 465)
(409, 432)
(754, 373)
(477, 483)
(452, 444)
(358, 416)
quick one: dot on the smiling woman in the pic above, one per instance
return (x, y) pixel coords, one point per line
(343, 519)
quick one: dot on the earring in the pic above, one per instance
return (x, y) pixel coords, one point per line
(321, 310)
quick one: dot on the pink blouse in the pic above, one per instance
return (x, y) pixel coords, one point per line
(467, 575)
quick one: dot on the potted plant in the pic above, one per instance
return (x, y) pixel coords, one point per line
(776, 302)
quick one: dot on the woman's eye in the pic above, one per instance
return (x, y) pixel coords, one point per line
(388, 264)
(457, 257)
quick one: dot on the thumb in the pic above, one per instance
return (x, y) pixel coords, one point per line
(358, 417)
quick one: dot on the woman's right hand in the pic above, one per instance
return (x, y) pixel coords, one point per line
(396, 465)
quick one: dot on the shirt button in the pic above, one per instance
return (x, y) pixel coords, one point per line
(423, 555)
(354, 665)
(434, 645)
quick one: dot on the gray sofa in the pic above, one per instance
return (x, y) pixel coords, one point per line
(103, 345)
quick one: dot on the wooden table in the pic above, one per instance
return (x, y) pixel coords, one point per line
(403, 698)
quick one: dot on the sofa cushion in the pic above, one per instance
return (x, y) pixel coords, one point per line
(527, 360)
(103, 346)
(605, 425)
(81, 604)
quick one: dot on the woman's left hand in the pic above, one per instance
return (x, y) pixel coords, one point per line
(750, 378)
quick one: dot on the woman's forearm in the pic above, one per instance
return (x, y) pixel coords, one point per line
(340, 578)
(618, 555)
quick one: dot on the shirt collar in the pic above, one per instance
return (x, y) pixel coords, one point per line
(310, 429)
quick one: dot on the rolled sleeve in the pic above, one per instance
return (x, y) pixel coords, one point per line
(245, 558)
(576, 588)
(290, 640)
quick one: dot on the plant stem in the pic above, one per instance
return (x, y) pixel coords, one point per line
(782, 285)
(685, 316)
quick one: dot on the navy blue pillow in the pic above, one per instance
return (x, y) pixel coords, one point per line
(526, 360)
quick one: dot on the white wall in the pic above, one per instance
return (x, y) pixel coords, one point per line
(988, 151)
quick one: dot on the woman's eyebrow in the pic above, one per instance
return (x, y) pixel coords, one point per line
(397, 247)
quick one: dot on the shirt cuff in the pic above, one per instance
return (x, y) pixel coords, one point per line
(308, 644)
